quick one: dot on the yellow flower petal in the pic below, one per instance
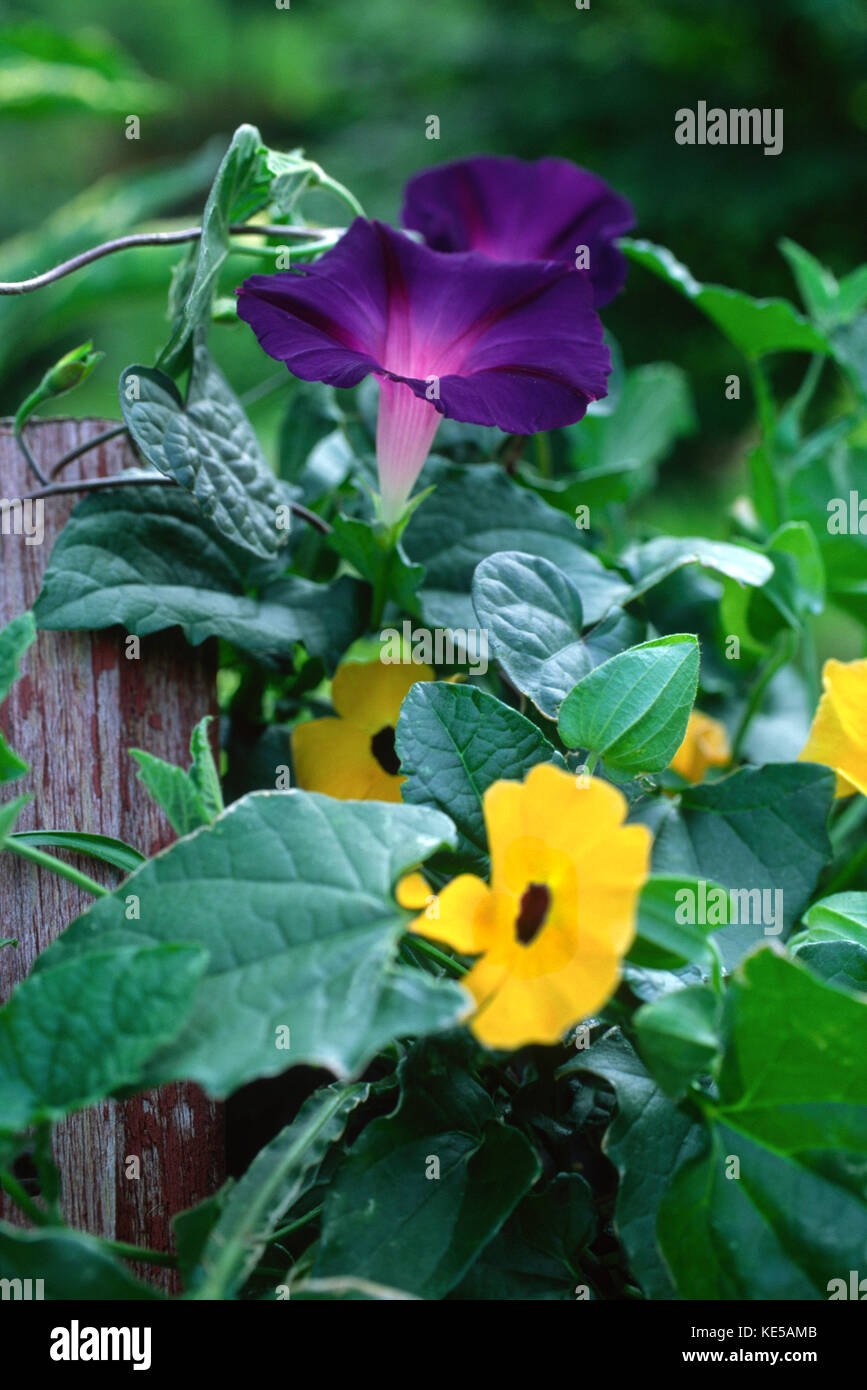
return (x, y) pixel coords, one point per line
(551, 806)
(466, 916)
(370, 693)
(516, 1009)
(413, 891)
(705, 744)
(838, 737)
(335, 757)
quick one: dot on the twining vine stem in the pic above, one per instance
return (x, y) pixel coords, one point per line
(86, 447)
(154, 480)
(124, 243)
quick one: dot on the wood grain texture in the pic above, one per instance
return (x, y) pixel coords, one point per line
(77, 709)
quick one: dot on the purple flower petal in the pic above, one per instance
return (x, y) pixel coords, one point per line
(517, 345)
(513, 210)
(514, 345)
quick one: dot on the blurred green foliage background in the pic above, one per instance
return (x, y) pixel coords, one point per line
(353, 83)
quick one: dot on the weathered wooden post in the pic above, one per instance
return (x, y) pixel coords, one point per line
(79, 706)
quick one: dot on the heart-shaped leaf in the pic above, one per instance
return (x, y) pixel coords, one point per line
(453, 742)
(633, 709)
(654, 561)
(208, 445)
(534, 619)
(775, 1206)
(71, 1036)
(148, 559)
(292, 896)
(458, 526)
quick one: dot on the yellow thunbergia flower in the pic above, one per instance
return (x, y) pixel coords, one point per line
(559, 914)
(838, 737)
(352, 756)
(705, 744)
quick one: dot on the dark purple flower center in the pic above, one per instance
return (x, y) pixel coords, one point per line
(382, 748)
(534, 909)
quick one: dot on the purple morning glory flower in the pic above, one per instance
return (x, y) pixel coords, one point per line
(517, 346)
(513, 210)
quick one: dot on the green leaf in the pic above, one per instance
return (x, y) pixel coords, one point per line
(276, 1178)
(73, 1265)
(615, 455)
(173, 791)
(633, 709)
(188, 799)
(292, 895)
(192, 1227)
(104, 847)
(9, 941)
(663, 941)
(537, 1254)
(850, 346)
(761, 828)
(147, 559)
(829, 302)
(72, 1035)
(840, 963)
(791, 1215)
(383, 565)
(389, 1220)
(330, 464)
(241, 187)
(647, 1140)
(843, 917)
(46, 72)
(678, 1036)
(795, 589)
(312, 414)
(15, 638)
(292, 176)
(534, 620)
(472, 515)
(9, 813)
(654, 561)
(820, 493)
(348, 1290)
(798, 584)
(203, 770)
(654, 409)
(209, 447)
(455, 741)
(834, 941)
(755, 326)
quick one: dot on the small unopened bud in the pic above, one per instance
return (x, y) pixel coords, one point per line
(73, 368)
